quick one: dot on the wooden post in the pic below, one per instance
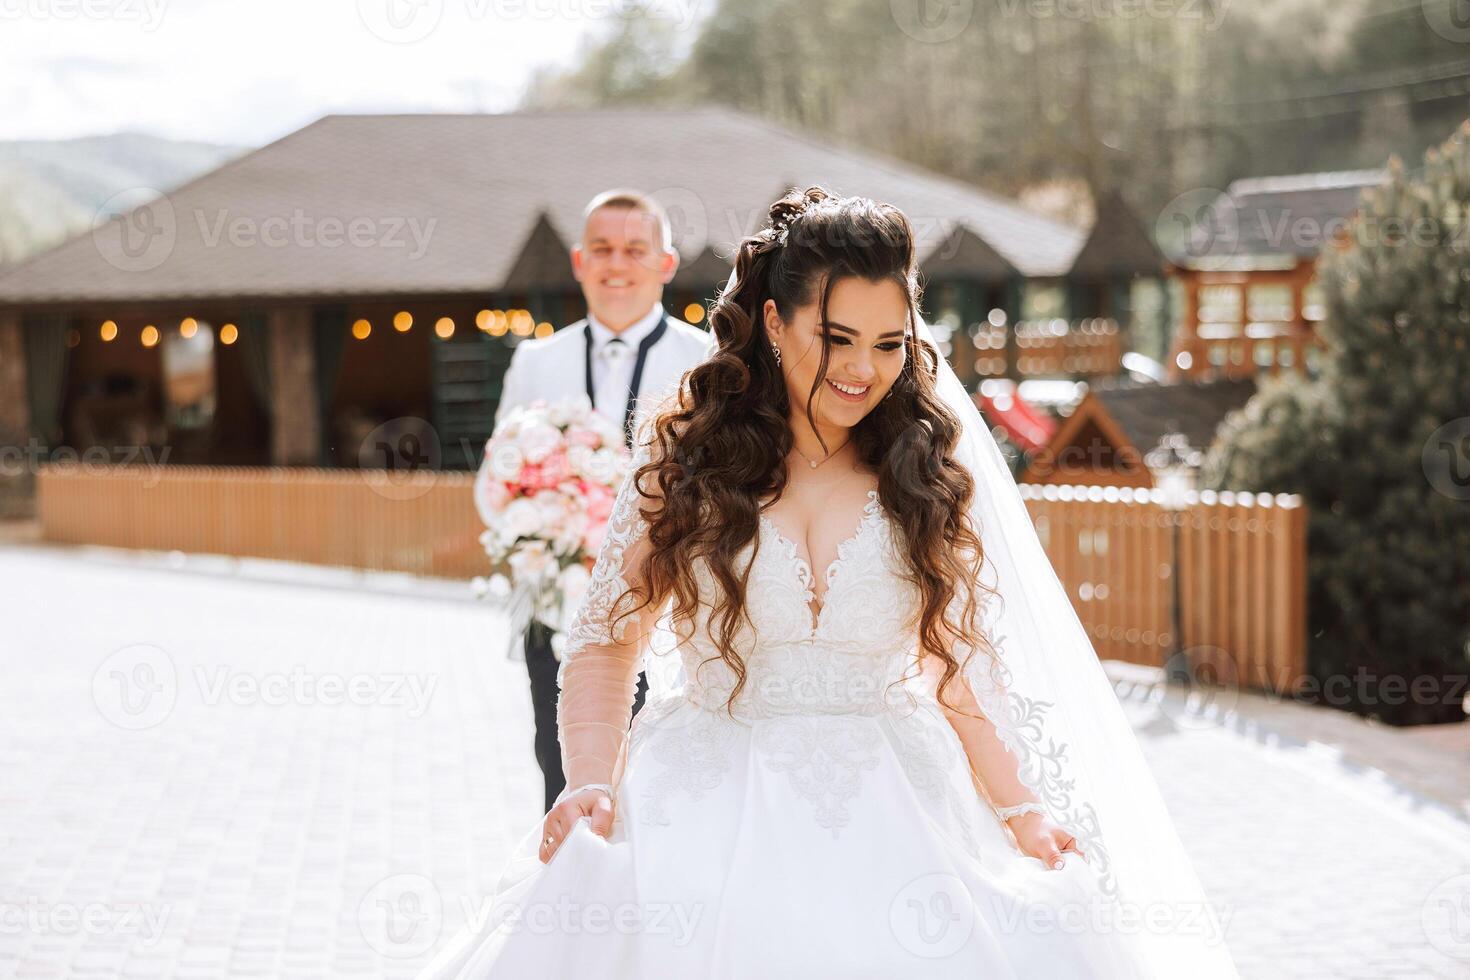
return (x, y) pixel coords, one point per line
(17, 483)
(296, 424)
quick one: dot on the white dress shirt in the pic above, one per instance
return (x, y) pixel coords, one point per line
(554, 368)
(613, 358)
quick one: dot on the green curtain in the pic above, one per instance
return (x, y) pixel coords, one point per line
(46, 357)
(255, 345)
(329, 331)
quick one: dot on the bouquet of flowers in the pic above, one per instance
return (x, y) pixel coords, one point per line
(545, 491)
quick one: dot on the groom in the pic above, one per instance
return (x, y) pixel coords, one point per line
(627, 351)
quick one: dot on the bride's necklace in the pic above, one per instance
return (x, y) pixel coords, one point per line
(815, 463)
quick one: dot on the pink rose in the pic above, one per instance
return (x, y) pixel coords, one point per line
(598, 500)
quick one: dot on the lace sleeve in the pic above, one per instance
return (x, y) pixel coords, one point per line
(982, 688)
(599, 663)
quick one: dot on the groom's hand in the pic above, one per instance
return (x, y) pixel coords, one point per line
(1041, 837)
(591, 803)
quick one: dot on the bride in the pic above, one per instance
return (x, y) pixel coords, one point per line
(877, 741)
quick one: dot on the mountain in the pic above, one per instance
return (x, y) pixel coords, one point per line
(52, 189)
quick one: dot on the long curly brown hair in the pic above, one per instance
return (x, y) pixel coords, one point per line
(720, 445)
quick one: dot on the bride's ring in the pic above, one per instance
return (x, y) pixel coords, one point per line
(548, 841)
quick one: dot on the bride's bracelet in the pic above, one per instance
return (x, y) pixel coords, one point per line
(1020, 809)
(577, 789)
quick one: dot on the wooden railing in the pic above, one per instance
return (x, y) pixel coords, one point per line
(1242, 577)
(422, 522)
(1242, 558)
(1048, 348)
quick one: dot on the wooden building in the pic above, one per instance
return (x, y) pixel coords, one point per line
(1250, 299)
(350, 294)
(1105, 439)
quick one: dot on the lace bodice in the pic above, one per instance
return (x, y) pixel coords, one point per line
(825, 691)
(839, 662)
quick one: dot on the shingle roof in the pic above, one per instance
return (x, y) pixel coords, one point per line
(1289, 215)
(1146, 411)
(475, 186)
(1118, 245)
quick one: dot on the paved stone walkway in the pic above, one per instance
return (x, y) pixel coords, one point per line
(212, 768)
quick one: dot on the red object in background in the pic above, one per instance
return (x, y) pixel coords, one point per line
(1027, 427)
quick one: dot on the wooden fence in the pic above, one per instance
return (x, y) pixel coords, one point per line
(1242, 577)
(422, 522)
(1242, 558)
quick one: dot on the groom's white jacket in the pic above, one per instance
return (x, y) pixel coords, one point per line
(554, 368)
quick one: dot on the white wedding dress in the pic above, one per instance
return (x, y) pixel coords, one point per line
(829, 830)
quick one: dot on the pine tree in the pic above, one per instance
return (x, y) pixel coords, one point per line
(1379, 446)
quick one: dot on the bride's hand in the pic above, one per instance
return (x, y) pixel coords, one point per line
(1041, 837)
(560, 819)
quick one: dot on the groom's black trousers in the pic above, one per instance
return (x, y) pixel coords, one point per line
(541, 665)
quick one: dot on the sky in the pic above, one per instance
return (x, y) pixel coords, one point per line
(248, 71)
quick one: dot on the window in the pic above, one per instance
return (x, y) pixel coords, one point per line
(188, 376)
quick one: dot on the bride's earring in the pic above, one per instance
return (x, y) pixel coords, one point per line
(777, 352)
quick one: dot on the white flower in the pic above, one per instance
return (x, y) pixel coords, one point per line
(539, 440)
(522, 519)
(530, 562)
(573, 581)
